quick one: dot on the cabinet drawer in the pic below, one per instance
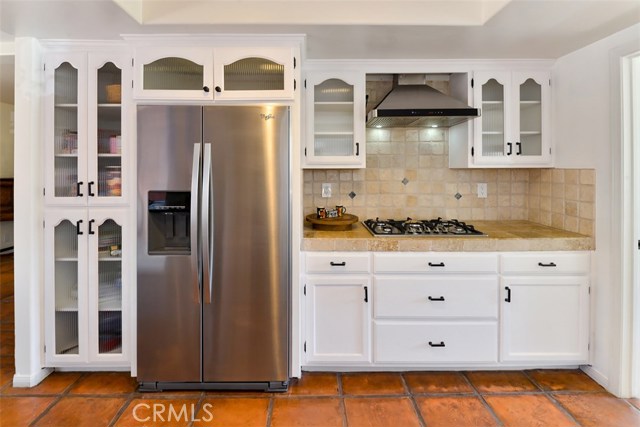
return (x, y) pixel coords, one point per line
(435, 262)
(546, 263)
(439, 297)
(450, 342)
(337, 262)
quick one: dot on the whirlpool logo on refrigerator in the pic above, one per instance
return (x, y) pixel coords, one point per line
(267, 117)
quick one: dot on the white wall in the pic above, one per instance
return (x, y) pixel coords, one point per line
(586, 134)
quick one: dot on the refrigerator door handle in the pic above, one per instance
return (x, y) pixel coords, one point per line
(206, 215)
(195, 180)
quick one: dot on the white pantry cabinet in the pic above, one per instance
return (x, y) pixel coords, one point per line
(86, 133)
(545, 308)
(335, 108)
(338, 308)
(514, 128)
(86, 291)
(221, 73)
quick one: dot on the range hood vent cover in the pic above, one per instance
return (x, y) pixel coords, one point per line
(419, 105)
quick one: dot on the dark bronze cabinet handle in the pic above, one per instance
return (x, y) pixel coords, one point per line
(508, 298)
(366, 294)
(90, 224)
(78, 232)
(78, 185)
(440, 344)
(91, 193)
(519, 144)
(338, 264)
(440, 264)
(436, 299)
(218, 89)
(551, 264)
(357, 148)
(206, 89)
(510, 145)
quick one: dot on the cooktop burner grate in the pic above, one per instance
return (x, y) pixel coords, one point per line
(424, 227)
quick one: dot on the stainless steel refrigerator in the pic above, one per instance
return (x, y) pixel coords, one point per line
(213, 247)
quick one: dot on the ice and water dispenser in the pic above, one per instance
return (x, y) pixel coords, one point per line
(169, 223)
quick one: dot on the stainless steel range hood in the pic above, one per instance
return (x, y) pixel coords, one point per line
(419, 105)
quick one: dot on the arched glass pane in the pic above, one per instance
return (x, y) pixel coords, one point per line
(254, 74)
(492, 118)
(109, 287)
(333, 118)
(173, 74)
(66, 288)
(65, 130)
(109, 130)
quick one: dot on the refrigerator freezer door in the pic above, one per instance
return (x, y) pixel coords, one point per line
(246, 325)
(169, 313)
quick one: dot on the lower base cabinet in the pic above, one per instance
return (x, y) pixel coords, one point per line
(338, 320)
(545, 319)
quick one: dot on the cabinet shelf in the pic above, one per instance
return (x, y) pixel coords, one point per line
(109, 105)
(110, 306)
(109, 258)
(492, 102)
(332, 133)
(109, 155)
(492, 133)
(533, 132)
(531, 102)
(67, 155)
(67, 259)
(66, 309)
(66, 105)
(333, 103)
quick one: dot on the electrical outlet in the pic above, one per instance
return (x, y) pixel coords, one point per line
(326, 190)
(482, 190)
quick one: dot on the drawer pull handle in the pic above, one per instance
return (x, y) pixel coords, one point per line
(436, 299)
(551, 264)
(440, 344)
(508, 298)
(338, 264)
(440, 264)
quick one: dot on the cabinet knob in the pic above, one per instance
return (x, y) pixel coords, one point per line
(218, 89)
(206, 89)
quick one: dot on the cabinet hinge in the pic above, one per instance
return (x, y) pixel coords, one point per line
(132, 62)
(131, 84)
(304, 290)
(305, 347)
(589, 290)
(44, 67)
(45, 349)
(549, 150)
(638, 244)
(43, 224)
(549, 82)
(305, 151)
(473, 151)
(294, 84)
(471, 83)
(589, 346)
(305, 83)
(294, 62)
(44, 191)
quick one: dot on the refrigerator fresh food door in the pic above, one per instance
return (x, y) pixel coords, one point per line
(246, 322)
(169, 293)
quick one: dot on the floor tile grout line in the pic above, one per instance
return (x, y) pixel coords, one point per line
(340, 386)
(562, 408)
(46, 410)
(343, 411)
(416, 408)
(270, 411)
(120, 411)
(481, 398)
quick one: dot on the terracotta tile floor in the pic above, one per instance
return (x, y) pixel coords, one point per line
(536, 398)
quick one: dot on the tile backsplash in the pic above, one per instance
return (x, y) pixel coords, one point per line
(407, 174)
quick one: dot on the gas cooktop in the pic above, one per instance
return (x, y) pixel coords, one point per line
(422, 227)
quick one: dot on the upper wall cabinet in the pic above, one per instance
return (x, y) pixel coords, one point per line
(86, 141)
(335, 104)
(221, 74)
(514, 127)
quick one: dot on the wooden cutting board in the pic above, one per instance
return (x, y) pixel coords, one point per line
(332, 224)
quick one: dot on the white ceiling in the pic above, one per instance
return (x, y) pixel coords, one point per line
(344, 28)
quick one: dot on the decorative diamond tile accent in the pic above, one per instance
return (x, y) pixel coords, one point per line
(458, 196)
(405, 181)
(352, 195)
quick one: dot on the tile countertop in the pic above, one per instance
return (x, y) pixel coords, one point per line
(502, 236)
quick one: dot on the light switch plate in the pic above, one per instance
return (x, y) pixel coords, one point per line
(326, 190)
(482, 190)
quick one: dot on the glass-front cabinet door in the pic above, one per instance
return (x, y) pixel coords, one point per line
(185, 73)
(66, 129)
(531, 123)
(253, 73)
(335, 108)
(492, 128)
(106, 299)
(65, 287)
